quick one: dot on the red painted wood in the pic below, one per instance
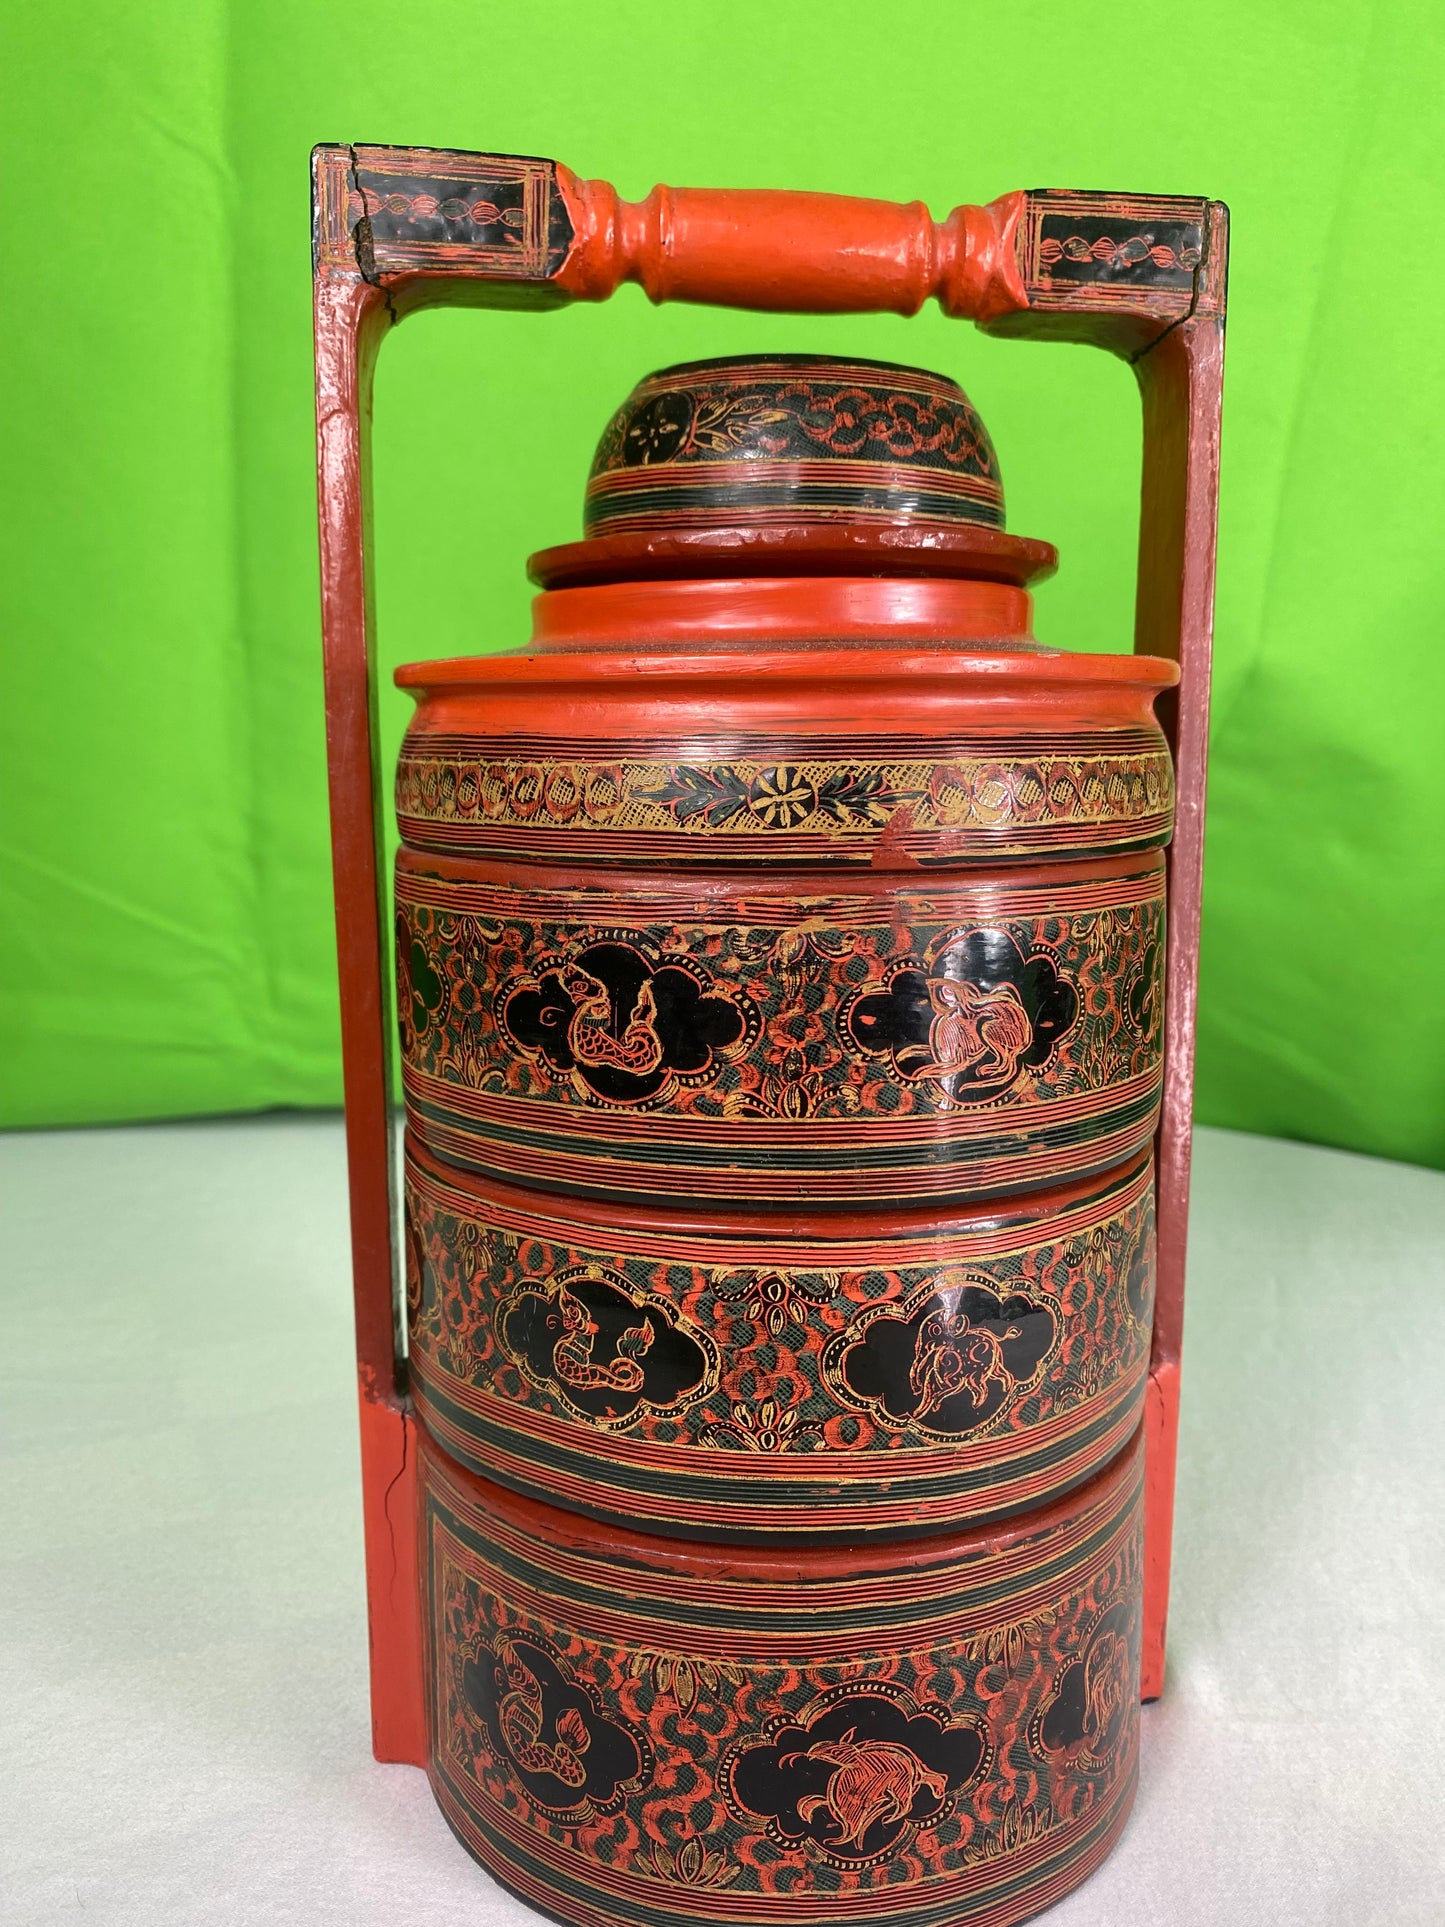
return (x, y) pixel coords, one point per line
(1181, 381)
(1161, 1450)
(915, 548)
(390, 1447)
(1071, 689)
(525, 232)
(348, 318)
(1180, 372)
(784, 609)
(792, 253)
(345, 334)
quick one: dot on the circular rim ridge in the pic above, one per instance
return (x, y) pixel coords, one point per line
(798, 548)
(859, 663)
(810, 1226)
(765, 1561)
(797, 358)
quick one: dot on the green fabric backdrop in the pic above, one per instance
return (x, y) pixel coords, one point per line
(167, 941)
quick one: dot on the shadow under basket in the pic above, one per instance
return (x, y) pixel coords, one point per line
(630, 1729)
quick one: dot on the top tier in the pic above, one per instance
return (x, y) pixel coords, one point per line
(768, 440)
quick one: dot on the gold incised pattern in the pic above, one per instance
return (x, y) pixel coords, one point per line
(460, 794)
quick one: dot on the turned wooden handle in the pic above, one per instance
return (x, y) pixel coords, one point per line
(792, 253)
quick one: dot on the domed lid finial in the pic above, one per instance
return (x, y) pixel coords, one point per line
(758, 439)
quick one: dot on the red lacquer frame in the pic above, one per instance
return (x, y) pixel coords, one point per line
(397, 229)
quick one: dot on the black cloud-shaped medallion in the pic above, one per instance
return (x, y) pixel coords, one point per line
(573, 1760)
(973, 1021)
(1144, 997)
(582, 1334)
(949, 1360)
(856, 1773)
(1138, 1268)
(1083, 1716)
(421, 994)
(624, 1028)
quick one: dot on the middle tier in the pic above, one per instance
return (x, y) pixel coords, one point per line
(762, 1041)
(732, 1376)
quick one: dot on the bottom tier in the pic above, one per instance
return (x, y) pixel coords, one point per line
(643, 1730)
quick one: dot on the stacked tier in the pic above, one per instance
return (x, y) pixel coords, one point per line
(780, 958)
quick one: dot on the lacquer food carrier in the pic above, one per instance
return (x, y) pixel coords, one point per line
(768, 1421)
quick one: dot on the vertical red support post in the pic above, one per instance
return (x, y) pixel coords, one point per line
(349, 316)
(354, 305)
(1181, 380)
(1166, 318)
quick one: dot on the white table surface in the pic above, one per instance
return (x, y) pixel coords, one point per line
(182, 1634)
